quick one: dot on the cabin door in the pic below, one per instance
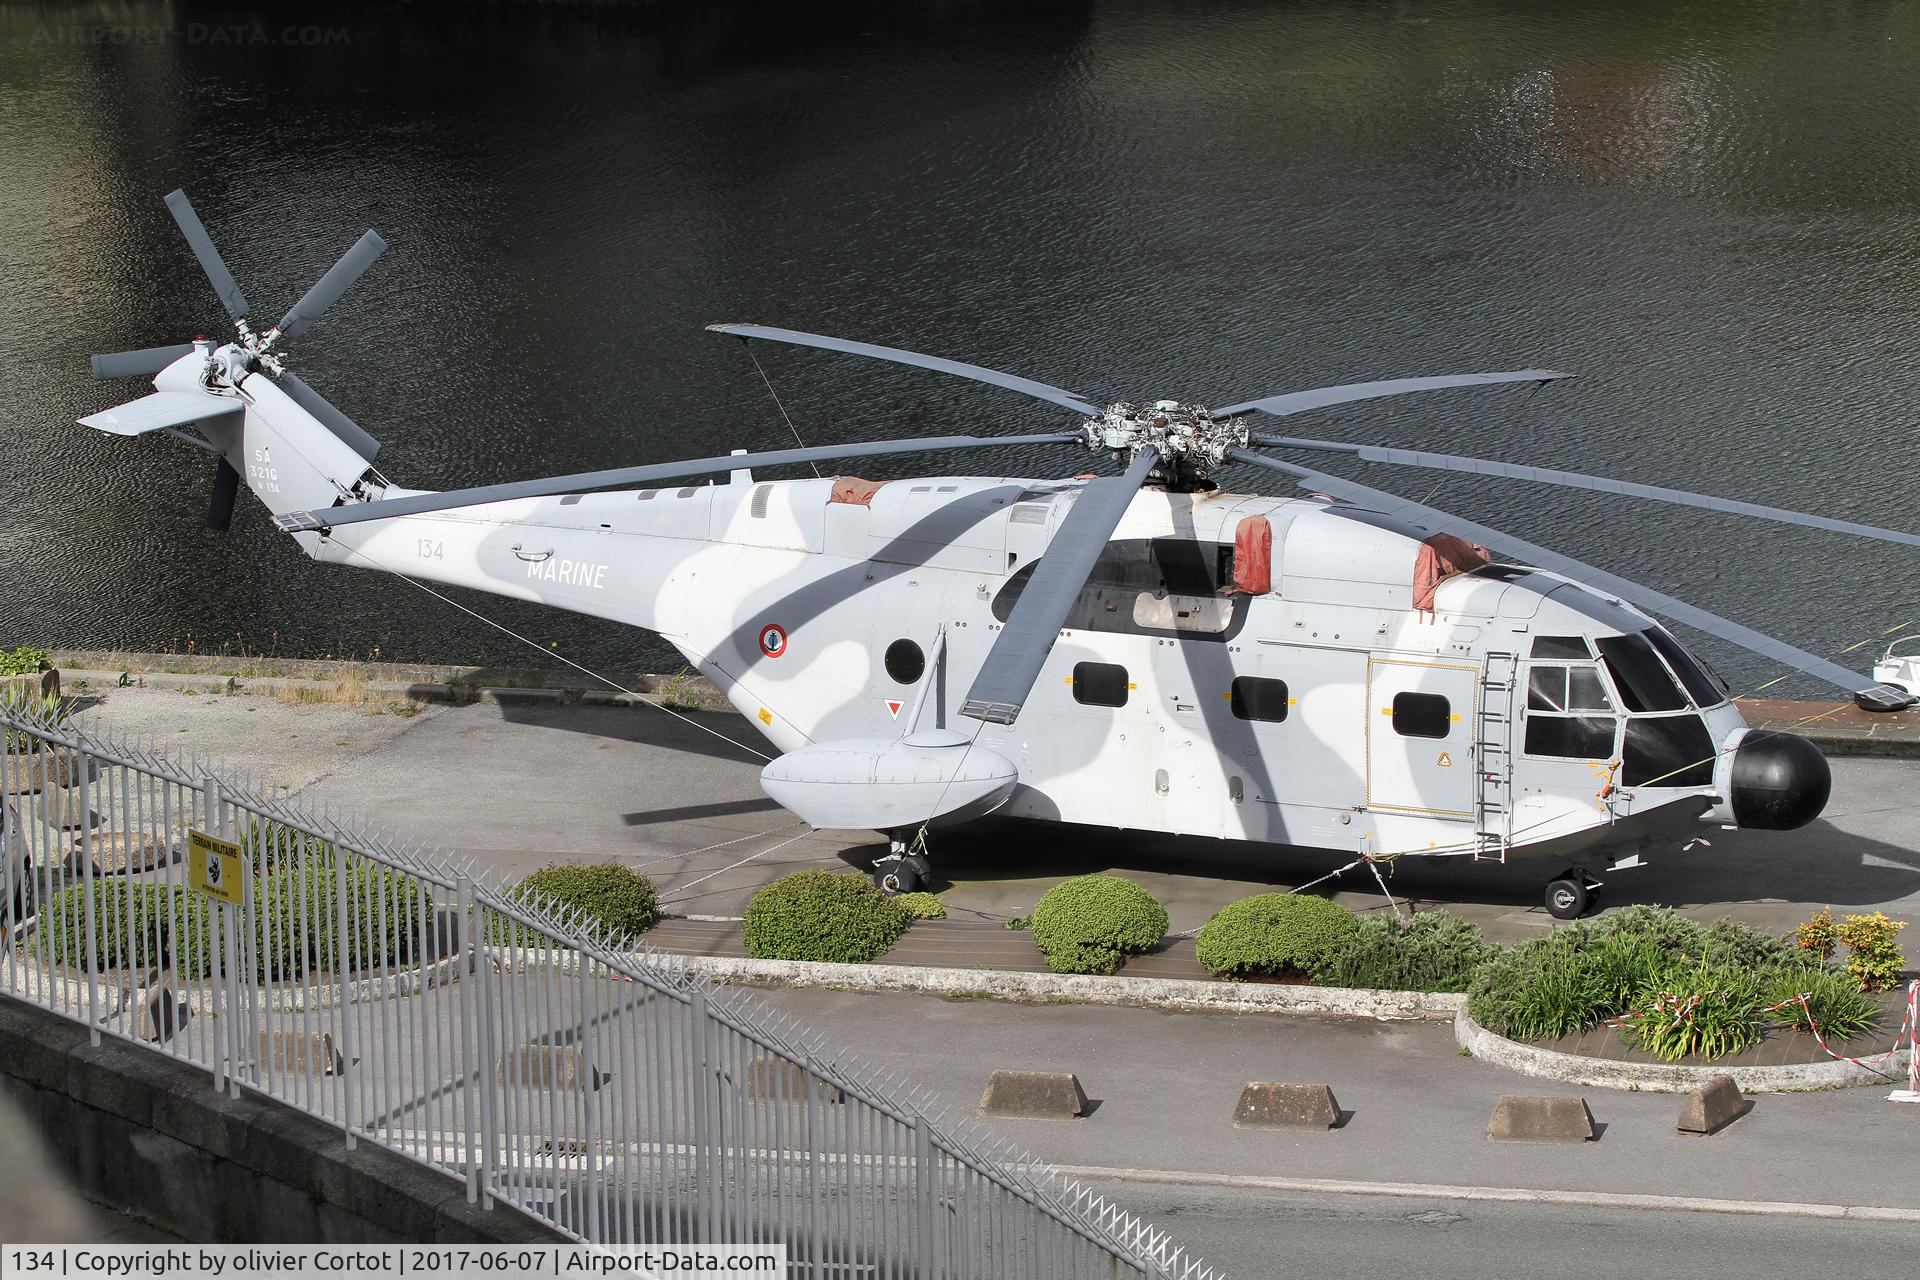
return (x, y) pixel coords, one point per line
(1420, 718)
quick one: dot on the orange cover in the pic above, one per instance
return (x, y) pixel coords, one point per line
(1252, 557)
(854, 491)
(1441, 557)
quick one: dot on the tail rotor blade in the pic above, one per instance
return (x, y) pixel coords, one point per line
(143, 363)
(332, 419)
(327, 289)
(210, 260)
(226, 488)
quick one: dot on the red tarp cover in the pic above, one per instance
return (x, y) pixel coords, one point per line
(854, 491)
(1253, 557)
(1442, 556)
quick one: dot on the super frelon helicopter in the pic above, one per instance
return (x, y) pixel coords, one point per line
(1344, 670)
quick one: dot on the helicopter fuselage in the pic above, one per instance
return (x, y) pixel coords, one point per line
(1522, 712)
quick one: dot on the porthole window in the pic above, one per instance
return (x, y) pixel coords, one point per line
(1253, 698)
(1100, 684)
(905, 662)
(1422, 715)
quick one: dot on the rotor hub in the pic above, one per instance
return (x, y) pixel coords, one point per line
(1191, 442)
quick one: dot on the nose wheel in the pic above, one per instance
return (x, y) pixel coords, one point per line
(1570, 895)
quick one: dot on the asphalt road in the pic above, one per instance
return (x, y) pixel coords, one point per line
(1266, 1236)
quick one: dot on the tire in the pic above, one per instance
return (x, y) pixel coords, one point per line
(905, 875)
(1567, 899)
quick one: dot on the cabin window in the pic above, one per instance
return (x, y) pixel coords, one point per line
(1567, 689)
(905, 663)
(1671, 751)
(1422, 715)
(1564, 647)
(1642, 678)
(1100, 684)
(1254, 698)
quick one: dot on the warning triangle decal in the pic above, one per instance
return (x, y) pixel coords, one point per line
(893, 707)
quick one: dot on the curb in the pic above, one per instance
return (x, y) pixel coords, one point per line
(1650, 1077)
(1513, 1195)
(1176, 994)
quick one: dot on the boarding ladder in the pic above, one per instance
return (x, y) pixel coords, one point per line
(1493, 736)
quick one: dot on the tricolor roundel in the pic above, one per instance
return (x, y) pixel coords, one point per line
(773, 640)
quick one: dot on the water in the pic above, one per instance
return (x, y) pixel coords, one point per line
(1707, 209)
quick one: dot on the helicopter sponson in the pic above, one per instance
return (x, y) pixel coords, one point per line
(1343, 670)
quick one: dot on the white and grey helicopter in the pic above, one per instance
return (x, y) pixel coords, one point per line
(1344, 671)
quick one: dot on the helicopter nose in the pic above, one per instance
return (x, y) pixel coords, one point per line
(1780, 781)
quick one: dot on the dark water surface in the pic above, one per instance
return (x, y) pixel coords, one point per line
(1709, 210)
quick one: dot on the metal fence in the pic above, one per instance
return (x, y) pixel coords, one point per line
(609, 1092)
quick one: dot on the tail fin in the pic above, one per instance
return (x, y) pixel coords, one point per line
(289, 458)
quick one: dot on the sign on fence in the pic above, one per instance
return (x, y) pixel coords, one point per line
(216, 867)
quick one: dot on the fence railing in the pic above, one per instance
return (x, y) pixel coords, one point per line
(609, 1092)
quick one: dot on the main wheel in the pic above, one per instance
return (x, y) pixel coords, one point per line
(900, 875)
(1567, 899)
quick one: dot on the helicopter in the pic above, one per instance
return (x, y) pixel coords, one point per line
(1342, 670)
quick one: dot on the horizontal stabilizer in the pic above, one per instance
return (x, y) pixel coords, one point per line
(160, 410)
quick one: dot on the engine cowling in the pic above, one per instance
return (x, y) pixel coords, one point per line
(888, 783)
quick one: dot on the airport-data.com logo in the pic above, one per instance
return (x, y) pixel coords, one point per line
(220, 35)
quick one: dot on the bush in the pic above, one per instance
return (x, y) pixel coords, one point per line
(1874, 960)
(620, 898)
(1546, 987)
(1708, 1009)
(1091, 924)
(1271, 933)
(823, 915)
(140, 924)
(1434, 951)
(24, 660)
(921, 906)
(1839, 1008)
(1816, 934)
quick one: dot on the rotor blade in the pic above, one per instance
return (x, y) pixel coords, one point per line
(1646, 597)
(1319, 397)
(1599, 484)
(1026, 386)
(332, 419)
(1005, 679)
(327, 289)
(356, 513)
(143, 363)
(210, 261)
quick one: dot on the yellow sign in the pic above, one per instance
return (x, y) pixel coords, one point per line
(1445, 761)
(216, 867)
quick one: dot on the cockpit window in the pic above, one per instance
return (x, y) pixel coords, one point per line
(1639, 674)
(1564, 647)
(1705, 691)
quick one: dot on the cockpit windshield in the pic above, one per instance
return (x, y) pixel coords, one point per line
(1706, 691)
(1638, 673)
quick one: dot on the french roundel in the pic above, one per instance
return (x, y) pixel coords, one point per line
(773, 640)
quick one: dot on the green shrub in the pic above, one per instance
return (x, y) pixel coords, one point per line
(1840, 1009)
(1737, 943)
(24, 660)
(1434, 951)
(1662, 927)
(823, 915)
(1705, 1010)
(293, 920)
(921, 906)
(1541, 989)
(1874, 960)
(1271, 933)
(620, 898)
(1091, 924)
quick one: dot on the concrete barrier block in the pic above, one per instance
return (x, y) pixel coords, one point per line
(1522, 1118)
(547, 1066)
(310, 1051)
(61, 809)
(1286, 1106)
(1712, 1107)
(159, 1013)
(1034, 1095)
(121, 852)
(787, 1081)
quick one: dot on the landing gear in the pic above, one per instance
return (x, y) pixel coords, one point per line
(901, 871)
(1569, 895)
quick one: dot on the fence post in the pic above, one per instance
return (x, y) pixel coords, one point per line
(469, 1069)
(83, 790)
(349, 1075)
(231, 949)
(703, 1119)
(923, 1192)
(590, 1097)
(482, 972)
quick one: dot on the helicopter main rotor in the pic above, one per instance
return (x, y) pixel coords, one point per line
(1190, 441)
